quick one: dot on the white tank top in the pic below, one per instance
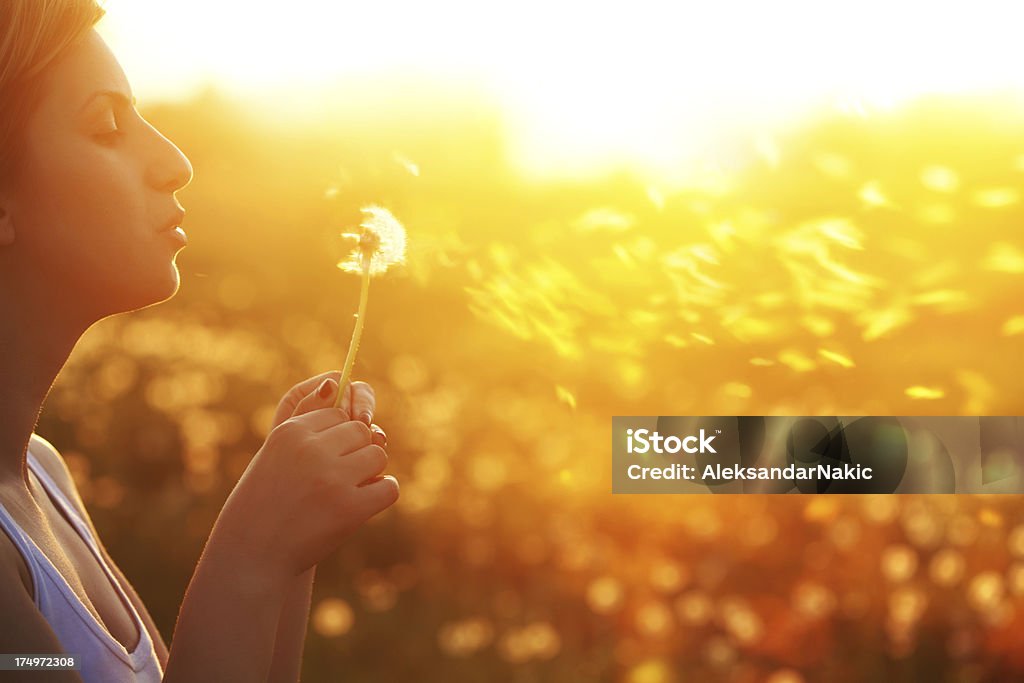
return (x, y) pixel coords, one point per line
(103, 659)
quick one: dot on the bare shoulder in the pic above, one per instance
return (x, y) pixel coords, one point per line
(55, 465)
(53, 462)
(12, 562)
(22, 626)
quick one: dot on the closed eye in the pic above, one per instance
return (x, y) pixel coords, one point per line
(109, 138)
(110, 130)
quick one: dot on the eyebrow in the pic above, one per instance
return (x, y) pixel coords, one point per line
(115, 95)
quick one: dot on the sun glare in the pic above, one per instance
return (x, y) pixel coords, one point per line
(585, 83)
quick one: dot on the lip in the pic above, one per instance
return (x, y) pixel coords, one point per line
(176, 234)
(174, 222)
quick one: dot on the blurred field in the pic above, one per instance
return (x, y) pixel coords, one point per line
(857, 264)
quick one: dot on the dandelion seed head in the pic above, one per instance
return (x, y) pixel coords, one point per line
(382, 240)
(369, 243)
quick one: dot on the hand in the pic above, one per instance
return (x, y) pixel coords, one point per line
(359, 401)
(315, 480)
(359, 394)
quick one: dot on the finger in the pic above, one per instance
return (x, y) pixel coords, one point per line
(323, 419)
(379, 437)
(378, 494)
(364, 402)
(364, 463)
(292, 398)
(308, 386)
(343, 438)
(321, 397)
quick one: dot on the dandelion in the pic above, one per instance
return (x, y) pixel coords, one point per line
(379, 245)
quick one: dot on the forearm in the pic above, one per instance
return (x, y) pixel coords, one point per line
(228, 620)
(286, 666)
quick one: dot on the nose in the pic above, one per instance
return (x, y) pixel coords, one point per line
(169, 169)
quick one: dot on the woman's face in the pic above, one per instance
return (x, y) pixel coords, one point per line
(93, 202)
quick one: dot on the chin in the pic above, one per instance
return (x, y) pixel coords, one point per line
(164, 289)
(150, 289)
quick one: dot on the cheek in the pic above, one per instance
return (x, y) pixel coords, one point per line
(83, 198)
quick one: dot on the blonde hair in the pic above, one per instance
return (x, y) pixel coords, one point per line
(33, 33)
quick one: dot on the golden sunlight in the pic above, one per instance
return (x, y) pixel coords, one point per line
(581, 84)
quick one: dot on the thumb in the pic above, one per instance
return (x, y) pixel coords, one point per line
(321, 397)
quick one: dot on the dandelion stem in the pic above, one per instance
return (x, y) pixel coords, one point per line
(353, 346)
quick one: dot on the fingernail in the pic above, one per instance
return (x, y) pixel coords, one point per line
(380, 436)
(325, 389)
(367, 418)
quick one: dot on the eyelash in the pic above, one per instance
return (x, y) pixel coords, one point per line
(110, 137)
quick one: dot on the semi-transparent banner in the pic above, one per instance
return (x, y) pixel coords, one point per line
(754, 454)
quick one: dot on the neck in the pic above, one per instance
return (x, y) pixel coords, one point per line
(35, 342)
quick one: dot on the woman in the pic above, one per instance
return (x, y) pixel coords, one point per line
(88, 229)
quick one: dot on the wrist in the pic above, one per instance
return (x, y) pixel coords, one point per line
(253, 573)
